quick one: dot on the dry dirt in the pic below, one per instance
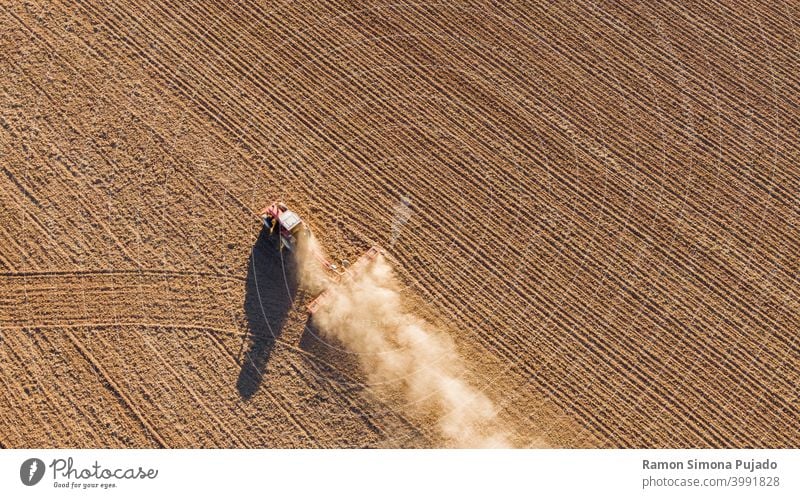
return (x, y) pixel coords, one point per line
(601, 212)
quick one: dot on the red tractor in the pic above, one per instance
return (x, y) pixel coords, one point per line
(291, 228)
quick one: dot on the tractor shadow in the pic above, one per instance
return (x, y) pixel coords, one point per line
(272, 282)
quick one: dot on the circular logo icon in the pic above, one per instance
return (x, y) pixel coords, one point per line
(31, 471)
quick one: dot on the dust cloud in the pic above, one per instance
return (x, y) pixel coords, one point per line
(401, 352)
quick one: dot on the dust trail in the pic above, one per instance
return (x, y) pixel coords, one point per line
(402, 353)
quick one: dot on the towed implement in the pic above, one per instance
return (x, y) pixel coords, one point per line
(343, 276)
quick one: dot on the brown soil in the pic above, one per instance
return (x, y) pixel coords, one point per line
(604, 211)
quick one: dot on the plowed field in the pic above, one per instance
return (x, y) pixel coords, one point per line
(597, 201)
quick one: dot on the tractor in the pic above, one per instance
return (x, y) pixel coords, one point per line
(288, 223)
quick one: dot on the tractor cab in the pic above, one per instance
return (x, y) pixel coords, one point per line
(291, 224)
